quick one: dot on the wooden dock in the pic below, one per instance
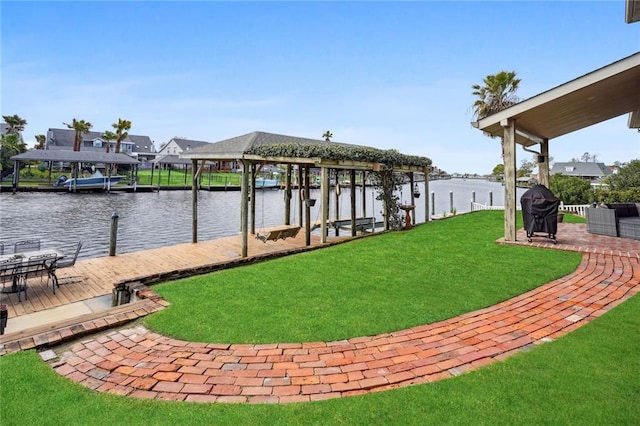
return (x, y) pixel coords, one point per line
(96, 277)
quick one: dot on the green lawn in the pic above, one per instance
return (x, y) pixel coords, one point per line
(33, 177)
(180, 177)
(590, 376)
(372, 285)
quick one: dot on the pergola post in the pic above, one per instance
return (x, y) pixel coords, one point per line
(287, 196)
(509, 155)
(324, 204)
(300, 195)
(363, 199)
(336, 206)
(307, 208)
(252, 197)
(194, 201)
(352, 179)
(426, 195)
(412, 197)
(244, 205)
(543, 167)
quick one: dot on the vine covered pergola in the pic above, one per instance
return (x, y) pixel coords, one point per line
(255, 150)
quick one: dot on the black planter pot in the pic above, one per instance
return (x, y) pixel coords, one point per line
(4, 316)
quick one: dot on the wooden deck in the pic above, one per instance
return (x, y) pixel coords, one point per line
(95, 277)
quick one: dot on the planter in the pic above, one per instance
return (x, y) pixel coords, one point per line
(560, 217)
(310, 202)
(4, 316)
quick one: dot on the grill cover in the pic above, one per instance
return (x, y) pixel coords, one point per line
(540, 211)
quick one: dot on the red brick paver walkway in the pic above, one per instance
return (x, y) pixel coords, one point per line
(143, 364)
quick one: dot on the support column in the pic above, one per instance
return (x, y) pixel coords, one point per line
(509, 156)
(307, 208)
(287, 196)
(363, 199)
(352, 183)
(543, 168)
(16, 176)
(426, 195)
(252, 198)
(324, 203)
(194, 202)
(412, 197)
(337, 200)
(244, 205)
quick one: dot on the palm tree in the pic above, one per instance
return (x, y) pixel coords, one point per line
(122, 131)
(15, 122)
(108, 136)
(327, 136)
(80, 126)
(497, 93)
(41, 141)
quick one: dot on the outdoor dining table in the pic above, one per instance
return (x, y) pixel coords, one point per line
(24, 258)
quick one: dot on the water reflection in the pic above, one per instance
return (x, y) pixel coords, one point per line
(149, 220)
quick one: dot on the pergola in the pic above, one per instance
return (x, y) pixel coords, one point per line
(595, 97)
(254, 150)
(65, 156)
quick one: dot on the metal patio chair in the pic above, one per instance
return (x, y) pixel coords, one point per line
(67, 263)
(26, 245)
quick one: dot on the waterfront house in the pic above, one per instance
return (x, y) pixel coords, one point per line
(169, 152)
(595, 173)
(136, 146)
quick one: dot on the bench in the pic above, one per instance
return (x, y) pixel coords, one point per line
(362, 224)
(615, 220)
(278, 234)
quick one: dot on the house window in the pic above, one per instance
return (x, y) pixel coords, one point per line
(97, 143)
(569, 169)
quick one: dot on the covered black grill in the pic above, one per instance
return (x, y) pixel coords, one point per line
(540, 212)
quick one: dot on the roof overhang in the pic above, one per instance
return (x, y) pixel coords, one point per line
(603, 94)
(632, 11)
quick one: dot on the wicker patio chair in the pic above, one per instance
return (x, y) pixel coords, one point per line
(602, 221)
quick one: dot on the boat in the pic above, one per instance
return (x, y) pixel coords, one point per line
(95, 181)
(263, 183)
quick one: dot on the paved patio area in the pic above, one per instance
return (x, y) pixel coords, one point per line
(139, 363)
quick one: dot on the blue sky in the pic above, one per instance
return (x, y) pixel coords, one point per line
(384, 74)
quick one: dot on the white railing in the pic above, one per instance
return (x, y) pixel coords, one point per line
(578, 209)
(477, 207)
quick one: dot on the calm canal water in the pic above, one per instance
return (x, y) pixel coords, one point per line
(149, 220)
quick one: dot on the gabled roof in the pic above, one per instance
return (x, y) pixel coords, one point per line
(603, 94)
(143, 144)
(64, 138)
(236, 147)
(268, 147)
(75, 156)
(188, 144)
(578, 168)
